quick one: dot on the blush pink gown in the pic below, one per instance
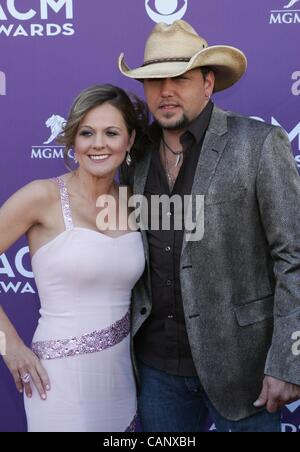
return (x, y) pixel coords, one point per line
(84, 279)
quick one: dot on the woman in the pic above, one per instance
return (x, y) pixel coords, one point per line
(78, 375)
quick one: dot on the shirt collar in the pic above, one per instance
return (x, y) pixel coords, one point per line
(199, 126)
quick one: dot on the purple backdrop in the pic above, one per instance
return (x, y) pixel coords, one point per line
(51, 49)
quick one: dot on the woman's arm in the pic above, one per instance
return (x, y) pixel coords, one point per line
(24, 209)
(20, 360)
(27, 207)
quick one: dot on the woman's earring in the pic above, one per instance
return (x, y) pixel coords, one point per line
(128, 158)
(75, 158)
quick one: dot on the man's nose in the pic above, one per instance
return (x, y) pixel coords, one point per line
(167, 87)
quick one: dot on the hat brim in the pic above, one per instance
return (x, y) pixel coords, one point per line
(229, 65)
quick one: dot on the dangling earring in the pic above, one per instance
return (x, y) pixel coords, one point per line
(75, 158)
(128, 158)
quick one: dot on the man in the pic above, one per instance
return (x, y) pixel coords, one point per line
(213, 319)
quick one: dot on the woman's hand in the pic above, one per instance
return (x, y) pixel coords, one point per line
(26, 368)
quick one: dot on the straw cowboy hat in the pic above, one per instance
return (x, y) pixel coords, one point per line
(172, 50)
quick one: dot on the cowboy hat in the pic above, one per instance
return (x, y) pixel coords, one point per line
(173, 50)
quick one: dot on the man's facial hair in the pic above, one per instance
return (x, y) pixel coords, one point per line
(183, 123)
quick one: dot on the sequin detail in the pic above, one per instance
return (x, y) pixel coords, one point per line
(132, 426)
(65, 203)
(88, 343)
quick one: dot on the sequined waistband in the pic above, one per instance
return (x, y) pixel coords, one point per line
(88, 343)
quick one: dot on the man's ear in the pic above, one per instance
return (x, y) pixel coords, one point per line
(210, 80)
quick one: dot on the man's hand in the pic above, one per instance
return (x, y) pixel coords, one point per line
(276, 394)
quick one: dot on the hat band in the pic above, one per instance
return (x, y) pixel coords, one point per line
(166, 60)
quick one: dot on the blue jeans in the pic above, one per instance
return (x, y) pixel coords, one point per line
(169, 403)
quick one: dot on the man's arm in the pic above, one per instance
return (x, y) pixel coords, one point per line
(278, 193)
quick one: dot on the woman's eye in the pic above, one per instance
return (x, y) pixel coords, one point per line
(85, 133)
(112, 134)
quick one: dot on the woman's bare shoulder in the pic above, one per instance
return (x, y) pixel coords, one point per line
(40, 199)
(41, 190)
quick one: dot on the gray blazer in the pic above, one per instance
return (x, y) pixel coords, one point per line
(241, 282)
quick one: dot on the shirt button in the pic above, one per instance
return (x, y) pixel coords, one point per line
(168, 249)
(170, 317)
(169, 282)
(169, 214)
(144, 311)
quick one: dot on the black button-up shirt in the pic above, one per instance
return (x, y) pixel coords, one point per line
(162, 342)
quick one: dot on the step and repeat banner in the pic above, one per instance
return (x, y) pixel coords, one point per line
(50, 50)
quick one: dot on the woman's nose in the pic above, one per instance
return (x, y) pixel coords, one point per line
(99, 142)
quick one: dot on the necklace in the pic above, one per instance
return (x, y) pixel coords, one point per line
(179, 154)
(171, 179)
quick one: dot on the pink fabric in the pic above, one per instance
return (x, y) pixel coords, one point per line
(84, 279)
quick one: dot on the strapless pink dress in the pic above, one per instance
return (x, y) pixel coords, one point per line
(84, 279)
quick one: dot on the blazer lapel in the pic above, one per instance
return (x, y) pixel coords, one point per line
(139, 183)
(141, 174)
(213, 147)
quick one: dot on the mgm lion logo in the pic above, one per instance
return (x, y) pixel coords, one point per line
(292, 3)
(56, 125)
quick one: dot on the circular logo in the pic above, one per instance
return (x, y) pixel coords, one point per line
(166, 8)
(166, 11)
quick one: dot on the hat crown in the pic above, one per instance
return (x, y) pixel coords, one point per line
(178, 40)
(173, 50)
